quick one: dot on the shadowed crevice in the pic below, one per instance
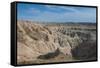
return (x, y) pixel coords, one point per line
(49, 55)
(85, 51)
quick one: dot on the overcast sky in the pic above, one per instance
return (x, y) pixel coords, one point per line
(53, 13)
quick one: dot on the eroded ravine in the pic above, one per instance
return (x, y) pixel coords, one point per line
(38, 43)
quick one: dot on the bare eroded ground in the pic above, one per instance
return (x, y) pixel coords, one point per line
(47, 43)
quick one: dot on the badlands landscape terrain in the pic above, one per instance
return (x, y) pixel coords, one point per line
(55, 42)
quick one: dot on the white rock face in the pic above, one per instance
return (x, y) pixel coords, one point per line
(36, 39)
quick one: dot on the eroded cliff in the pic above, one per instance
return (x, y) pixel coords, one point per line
(42, 43)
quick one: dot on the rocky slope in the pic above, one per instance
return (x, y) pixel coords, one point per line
(40, 43)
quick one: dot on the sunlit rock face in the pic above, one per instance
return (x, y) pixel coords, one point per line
(39, 43)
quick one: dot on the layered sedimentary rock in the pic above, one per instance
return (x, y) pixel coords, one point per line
(37, 41)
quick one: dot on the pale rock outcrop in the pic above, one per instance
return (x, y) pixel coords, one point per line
(35, 40)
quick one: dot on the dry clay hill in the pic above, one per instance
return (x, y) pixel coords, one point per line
(46, 43)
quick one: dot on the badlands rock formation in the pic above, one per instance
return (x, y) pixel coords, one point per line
(45, 43)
